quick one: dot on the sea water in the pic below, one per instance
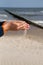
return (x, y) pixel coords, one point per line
(33, 14)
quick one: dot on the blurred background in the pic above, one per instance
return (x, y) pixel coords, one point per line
(21, 3)
(29, 9)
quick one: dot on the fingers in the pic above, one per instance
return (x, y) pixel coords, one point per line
(24, 27)
(19, 23)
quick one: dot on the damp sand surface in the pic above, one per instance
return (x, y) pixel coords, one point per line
(22, 47)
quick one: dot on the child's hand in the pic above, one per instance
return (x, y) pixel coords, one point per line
(20, 25)
(15, 25)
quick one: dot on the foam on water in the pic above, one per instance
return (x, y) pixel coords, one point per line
(37, 21)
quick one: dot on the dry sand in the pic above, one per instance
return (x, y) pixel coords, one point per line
(19, 49)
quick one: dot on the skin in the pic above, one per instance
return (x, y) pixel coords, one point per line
(15, 25)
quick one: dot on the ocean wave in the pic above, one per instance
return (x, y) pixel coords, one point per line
(40, 22)
(41, 11)
(3, 15)
(29, 13)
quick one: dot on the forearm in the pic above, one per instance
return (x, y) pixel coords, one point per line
(5, 27)
(2, 28)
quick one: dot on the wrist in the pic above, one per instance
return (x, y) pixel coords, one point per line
(4, 27)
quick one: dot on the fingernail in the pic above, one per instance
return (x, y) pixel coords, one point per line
(27, 26)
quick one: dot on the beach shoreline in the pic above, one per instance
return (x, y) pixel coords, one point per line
(17, 48)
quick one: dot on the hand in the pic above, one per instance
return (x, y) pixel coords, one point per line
(19, 25)
(15, 25)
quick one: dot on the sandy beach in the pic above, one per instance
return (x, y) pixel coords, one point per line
(19, 49)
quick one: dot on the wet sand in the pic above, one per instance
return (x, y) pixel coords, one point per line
(17, 49)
